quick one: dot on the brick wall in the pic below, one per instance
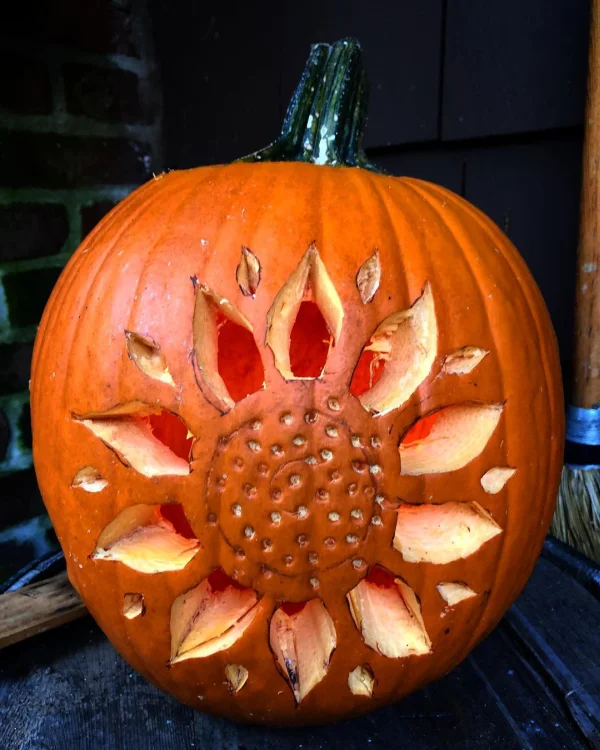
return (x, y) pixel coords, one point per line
(79, 129)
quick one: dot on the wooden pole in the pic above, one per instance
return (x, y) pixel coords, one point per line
(586, 382)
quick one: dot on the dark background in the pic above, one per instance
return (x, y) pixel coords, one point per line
(485, 97)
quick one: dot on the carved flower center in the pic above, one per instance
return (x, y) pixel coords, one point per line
(300, 502)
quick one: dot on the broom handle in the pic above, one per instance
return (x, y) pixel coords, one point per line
(586, 381)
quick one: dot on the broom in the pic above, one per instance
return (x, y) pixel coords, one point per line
(577, 517)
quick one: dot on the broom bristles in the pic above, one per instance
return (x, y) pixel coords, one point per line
(577, 517)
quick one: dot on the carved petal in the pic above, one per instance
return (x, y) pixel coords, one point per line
(146, 355)
(303, 641)
(210, 617)
(368, 278)
(440, 534)
(209, 311)
(406, 342)
(448, 439)
(89, 479)
(494, 479)
(141, 538)
(237, 676)
(361, 681)
(462, 361)
(388, 615)
(454, 593)
(247, 273)
(309, 277)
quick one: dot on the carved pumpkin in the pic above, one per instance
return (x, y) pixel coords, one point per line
(298, 425)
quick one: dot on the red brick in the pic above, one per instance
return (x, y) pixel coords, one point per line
(30, 230)
(54, 161)
(107, 94)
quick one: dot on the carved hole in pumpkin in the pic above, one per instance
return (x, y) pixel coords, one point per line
(239, 362)
(154, 442)
(227, 363)
(149, 539)
(310, 341)
(367, 372)
(406, 341)
(146, 355)
(133, 606)
(361, 681)
(388, 615)
(448, 439)
(305, 319)
(210, 617)
(454, 592)
(440, 534)
(89, 479)
(302, 637)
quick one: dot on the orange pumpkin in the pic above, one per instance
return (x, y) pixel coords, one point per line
(298, 425)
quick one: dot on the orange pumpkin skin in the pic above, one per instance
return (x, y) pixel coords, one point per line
(133, 273)
(324, 545)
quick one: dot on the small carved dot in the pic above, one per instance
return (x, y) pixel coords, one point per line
(314, 582)
(375, 469)
(302, 511)
(276, 494)
(313, 558)
(333, 404)
(322, 493)
(263, 469)
(357, 514)
(356, 441)
(288, 559)
(249, 490)
(335, 476)
(368, 490)
(266, 544)
(331, 430)
(311, 417)
(211, 518)
(249, 532)
(276, 517)
(294, 480)
(359, 466)
(239, 552)
(358, 563)
(311, 460)
(236, 510)
(379, 499)
(239, 462)
(253, 445)
(351, 538)
(299, 440)
(222, 480)
(376, 441)
(352, 488)
(376, 521)
(333, 516)
(286, 418)
(266, 572)
(276, 450)
(256, 425)
(326, 454)
(223, 441)
(302, 540)
(330, 542)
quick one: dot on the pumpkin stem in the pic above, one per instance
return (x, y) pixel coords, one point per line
(326, 117)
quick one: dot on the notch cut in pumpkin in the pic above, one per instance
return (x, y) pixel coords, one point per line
(308, 290)
(403, 348)
(464, 360)
(226, 359)
(149, 539)
(388, 615)
(154, 442)
(361, 681)
(88, 478)
(448, 439)
(210, 617)
(146, 355)
(495, 478)
(133, 606)
(441, 534)
(454, 592)
(302, 638)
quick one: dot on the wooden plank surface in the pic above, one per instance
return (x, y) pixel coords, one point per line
(38, 607)
(513, 66)
(69, 689)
